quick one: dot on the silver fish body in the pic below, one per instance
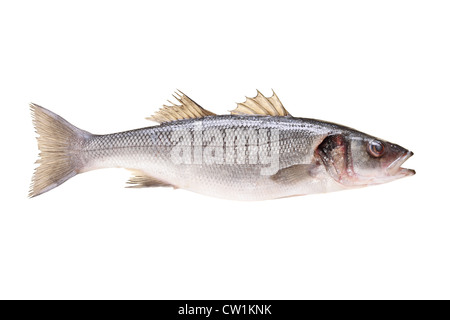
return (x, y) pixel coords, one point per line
(240, 157)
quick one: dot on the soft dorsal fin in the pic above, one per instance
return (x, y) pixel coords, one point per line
(261, 105)
(187, 109)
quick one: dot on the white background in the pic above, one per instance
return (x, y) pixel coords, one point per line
(382, 67)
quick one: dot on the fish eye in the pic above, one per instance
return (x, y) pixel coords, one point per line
(376, 148)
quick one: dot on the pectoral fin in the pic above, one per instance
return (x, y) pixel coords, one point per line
(294, 174)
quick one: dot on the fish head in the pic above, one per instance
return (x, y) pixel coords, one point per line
(356, 159)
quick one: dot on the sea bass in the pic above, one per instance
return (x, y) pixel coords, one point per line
(257, 152)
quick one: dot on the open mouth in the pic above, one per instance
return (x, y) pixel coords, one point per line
(395, 168)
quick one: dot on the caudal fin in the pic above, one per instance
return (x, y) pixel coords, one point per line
(60, 144)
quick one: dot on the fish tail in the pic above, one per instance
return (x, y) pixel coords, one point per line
(60, 146)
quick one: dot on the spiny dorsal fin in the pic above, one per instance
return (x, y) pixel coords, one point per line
(187, 109)
(141, 180)
(260, 105)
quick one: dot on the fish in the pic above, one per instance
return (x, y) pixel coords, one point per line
(257, 152)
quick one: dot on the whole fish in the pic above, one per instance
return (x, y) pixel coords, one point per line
(257, 152)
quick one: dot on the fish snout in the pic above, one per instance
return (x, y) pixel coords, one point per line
(395, 168)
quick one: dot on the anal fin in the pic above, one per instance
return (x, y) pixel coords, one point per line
(141, 180)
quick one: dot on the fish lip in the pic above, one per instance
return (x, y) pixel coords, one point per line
(395, 168)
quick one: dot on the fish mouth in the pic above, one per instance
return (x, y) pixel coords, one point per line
(395, 168)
